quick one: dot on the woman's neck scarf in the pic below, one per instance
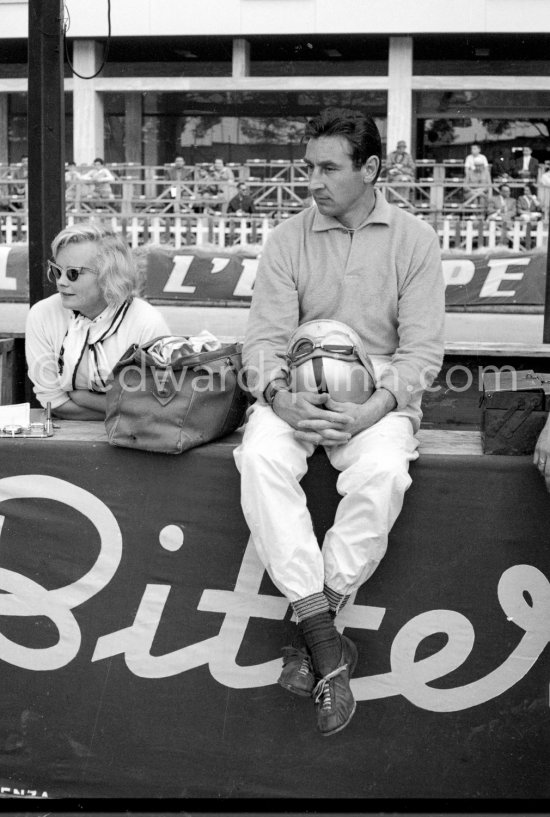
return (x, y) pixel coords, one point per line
(84, 339)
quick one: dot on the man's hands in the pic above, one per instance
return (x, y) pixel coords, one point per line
(541, 456)
(312, 423)
(319, 419)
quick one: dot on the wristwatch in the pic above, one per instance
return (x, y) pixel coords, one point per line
(272, 388)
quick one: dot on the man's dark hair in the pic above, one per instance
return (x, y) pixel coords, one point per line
(358, 128)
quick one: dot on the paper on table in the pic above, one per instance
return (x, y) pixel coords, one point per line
(17, 414)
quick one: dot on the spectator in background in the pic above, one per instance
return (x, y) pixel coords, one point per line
(72, 179)
(501, 166)
(545, 178)
(22, 173)
(476, 166)
(400, 168)
(476, 174)
(100, 179)
(526, 167)
(205, 198)
(503, 207)
(242, 202)
(178, 172)
(529, 207)
(223, 179)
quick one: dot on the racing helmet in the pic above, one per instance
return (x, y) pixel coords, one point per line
(329, 356)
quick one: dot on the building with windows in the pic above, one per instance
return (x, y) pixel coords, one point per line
(237, 79)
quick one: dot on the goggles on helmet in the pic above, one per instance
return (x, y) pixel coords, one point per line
(328, 356)
(305, 348)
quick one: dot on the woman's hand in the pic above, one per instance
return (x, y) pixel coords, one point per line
(541, 457)
(82, 405)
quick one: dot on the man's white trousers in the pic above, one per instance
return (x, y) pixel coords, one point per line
(374, 475)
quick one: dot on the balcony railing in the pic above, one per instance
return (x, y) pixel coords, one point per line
(147, 207)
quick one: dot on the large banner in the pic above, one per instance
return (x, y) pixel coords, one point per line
(140, 636)
(214, 276)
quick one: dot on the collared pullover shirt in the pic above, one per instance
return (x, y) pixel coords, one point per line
(384, 279)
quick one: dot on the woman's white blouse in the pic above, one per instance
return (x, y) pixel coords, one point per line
(45, 331)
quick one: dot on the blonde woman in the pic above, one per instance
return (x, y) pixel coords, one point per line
(74, 338)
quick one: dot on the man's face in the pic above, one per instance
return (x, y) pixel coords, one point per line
(506, 192)
(527, 151)
(336, 185)
(179, 161)
(476, 150)
(243, 189)
(218, 164)
(402, 146)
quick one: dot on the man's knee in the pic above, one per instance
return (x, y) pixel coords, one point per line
(261, 454)
(380, 468)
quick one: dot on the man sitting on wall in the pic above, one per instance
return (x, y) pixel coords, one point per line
(375, 270)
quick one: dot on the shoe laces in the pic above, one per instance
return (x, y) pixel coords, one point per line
(305, 667)
(322, 690)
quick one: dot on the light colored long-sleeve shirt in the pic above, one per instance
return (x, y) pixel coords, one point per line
(384, 279)
(47, 324)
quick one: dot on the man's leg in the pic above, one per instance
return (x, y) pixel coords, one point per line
(374, 477)
(272, 463)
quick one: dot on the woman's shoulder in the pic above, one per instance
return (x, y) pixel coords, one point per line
(48, 317)
(139, 306)
(144, 313)
(48, 307)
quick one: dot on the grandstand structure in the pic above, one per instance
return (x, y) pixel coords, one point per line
(146, 80)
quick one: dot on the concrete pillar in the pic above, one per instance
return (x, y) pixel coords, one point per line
(4, 157)
(88, 141)
(132, 127)
(241, 58)
(400, 68)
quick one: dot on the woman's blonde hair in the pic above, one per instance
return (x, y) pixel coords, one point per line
(118, 277)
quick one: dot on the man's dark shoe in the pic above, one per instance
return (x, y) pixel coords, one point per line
(334, 701)
(297, 675)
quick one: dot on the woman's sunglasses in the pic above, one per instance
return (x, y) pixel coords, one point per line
(55, 272)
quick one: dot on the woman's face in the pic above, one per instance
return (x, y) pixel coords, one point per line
(84, 294)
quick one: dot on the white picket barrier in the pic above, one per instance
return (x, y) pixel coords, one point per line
(177, 231)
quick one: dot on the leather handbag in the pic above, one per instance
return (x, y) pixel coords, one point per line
(192, 400)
